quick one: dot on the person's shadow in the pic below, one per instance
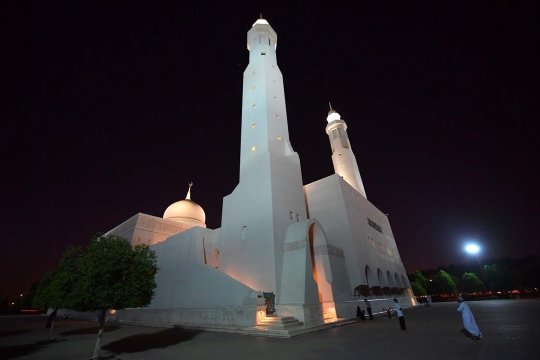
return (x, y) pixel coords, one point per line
(466, 333)
(143, 342)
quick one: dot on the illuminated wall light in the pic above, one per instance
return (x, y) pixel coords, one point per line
(343, 166)
(279, 137)
(253, 126)
(253, 148)
(253, 88)
(277, 116)
(253, 106)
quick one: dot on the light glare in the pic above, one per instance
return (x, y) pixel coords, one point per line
(472, 248)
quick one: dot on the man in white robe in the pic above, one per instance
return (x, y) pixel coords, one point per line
(468, 319)
(429, 301)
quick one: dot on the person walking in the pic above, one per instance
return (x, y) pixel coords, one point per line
(368, 307)
(399, 312)
(468, 319)
(360, 314)
(429, 301)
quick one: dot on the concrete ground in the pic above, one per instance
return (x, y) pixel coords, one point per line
(511, 330)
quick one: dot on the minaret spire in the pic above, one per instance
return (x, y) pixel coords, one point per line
(188, 196)
(342, 156)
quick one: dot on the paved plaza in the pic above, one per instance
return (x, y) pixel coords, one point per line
(511, 330)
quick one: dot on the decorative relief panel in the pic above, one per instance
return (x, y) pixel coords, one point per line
(296, 245)
(329, 250)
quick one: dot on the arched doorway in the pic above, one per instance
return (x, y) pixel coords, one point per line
(371, 279)
(321, 273)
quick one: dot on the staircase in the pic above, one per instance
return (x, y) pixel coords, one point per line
(273, 322)
(327, 318)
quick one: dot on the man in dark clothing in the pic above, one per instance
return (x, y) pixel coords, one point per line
(360, 313)
(368, 306)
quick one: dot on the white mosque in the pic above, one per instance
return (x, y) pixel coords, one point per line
(288, 257)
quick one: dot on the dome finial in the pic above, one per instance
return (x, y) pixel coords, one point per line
(188, 196)
(332, 111)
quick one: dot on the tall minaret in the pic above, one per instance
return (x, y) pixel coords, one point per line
(264, 116)
(342, 155)
(270, 194)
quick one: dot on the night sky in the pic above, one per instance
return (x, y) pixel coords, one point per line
(110, 110)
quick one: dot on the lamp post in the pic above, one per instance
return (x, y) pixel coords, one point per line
(474, 249)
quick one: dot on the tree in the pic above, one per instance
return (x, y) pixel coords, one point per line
(55, 289)
(419, 278)
(471, 283)
(442, 284)
(418, 289)
(114, 275)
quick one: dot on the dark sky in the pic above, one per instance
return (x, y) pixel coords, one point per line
(110, 110)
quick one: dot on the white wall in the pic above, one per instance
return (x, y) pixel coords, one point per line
(185, 281)
(343, 213)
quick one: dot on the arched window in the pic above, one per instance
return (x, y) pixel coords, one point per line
(244, 233)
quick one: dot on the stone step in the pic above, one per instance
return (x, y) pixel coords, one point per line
(279, 323)
(278, 320)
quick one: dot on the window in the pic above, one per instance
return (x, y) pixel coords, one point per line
(253, 148)
(297, 218)
(339, 154)
(291, 214)
(277, 116)
(244, 233)
(269, 42)
(253, 126)
(279, 137)
(263, 53)
(335, 134)
(253, 106)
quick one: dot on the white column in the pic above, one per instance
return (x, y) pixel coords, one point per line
(264, 116)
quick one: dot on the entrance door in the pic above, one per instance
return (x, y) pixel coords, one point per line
(269, 301)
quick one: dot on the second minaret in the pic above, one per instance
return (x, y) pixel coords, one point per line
(342, 155)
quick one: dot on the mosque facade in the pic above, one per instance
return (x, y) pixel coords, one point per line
(287, 255)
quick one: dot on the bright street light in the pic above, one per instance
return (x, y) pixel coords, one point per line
(472, 248)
